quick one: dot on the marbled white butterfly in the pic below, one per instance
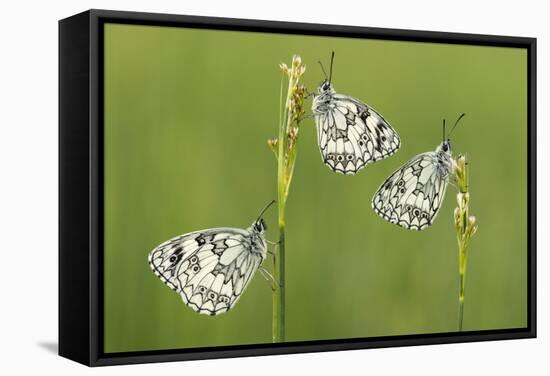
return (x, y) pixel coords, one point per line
(412, 195)
(211, 268)
(350, 133)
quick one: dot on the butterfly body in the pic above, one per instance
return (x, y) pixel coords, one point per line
(350, 134)
(211, 268)
(411, 197)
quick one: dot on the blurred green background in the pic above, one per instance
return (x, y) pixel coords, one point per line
(187, 116)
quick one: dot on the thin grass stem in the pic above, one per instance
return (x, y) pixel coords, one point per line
(285, 149)
(466, 227)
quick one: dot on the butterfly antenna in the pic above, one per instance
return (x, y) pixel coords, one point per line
(331, 61)
(456, 123)
(443, 130)
(323, 69)
(264, 209)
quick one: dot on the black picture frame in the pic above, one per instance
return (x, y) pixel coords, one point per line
(81, 182)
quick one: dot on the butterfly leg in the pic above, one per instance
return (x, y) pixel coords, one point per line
(276, 244)
(308, 94)
(305, 117)
(452, 184)
(268, 277)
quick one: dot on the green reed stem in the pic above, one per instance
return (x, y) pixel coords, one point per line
(279, 298)
(462, 273)
(284, 148)
(465, 229)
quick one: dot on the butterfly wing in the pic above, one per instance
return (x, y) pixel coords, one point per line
(412, 195)
(351, 134)
(210, 269)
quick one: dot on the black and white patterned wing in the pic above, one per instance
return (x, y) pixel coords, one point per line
(351, 135)
(210, 269)
(385, 140)
(411, 196)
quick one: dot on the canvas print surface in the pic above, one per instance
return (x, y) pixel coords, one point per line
(373, 221)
